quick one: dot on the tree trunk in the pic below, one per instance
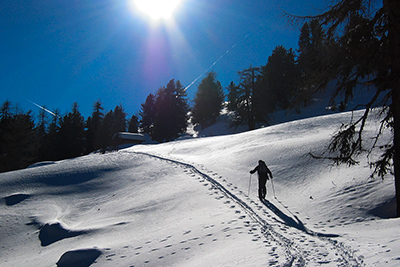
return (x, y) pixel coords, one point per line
(392, 8)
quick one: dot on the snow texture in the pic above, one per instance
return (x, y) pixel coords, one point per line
(187, 203)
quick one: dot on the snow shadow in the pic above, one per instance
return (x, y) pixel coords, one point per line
(51, 233)
(15, 199)
(78, 258)
(295, 223)
(386, 210)
(73, 178)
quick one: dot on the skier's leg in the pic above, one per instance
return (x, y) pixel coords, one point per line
(260, 189)
(265, 189)
(263, 181)
(264, 193)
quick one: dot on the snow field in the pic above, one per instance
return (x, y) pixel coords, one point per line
(186, 203)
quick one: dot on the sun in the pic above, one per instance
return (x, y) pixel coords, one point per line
(157, 9)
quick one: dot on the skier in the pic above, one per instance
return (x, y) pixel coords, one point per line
(263, 172)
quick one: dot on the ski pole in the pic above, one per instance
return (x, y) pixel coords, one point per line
(248, 194)
(273, 187)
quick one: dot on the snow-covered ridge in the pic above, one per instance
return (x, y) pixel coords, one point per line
(186, 203)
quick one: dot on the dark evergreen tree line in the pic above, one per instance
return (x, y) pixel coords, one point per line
(22, 142)
(56, 137)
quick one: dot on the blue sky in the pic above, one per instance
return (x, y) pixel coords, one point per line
(55, 53)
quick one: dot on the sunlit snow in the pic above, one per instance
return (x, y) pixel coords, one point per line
(186, 203)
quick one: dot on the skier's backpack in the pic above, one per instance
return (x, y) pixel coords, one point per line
(262, 170)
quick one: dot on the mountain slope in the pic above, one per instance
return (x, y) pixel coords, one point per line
(186, 203)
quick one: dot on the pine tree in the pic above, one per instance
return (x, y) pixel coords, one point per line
(147, 113)
(106, 131)
(247, 110)
(279, 79)
(232, 96)
(52, 139)
(71, 134)
(315, 53)
(41, 134)
(171, 112)
(119, 124)
(114, 122)
(93, 124)
(181, 109)
(208, 101)
(133, 124)
(17, 138)
(362, 41)
(5, 116)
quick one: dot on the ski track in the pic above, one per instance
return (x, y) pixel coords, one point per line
(302, 246)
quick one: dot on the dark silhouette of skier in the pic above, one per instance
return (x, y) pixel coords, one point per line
(263, 172)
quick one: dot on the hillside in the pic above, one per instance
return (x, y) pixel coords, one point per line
(186, 203)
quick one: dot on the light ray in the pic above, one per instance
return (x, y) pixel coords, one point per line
(41, 107)
(224, 54)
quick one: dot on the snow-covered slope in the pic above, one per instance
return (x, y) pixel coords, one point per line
(186, 203)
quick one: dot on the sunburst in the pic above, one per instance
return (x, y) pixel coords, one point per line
(157, 9)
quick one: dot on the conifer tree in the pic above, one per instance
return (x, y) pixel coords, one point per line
(114, 121)
(147, 113)
(362, 40)
(246, 107)
(232, 96)
(52, 139)
(171, 112)
(106, 131)
(119, 123)
(17, 138)
(71, 134)
(93, 124)
(41, 134)
(279, 79)
(181, 109)
(314, 54)
(208, 101)
(133, 124)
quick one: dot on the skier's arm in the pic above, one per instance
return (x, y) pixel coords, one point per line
(270, 173)
(253, 171)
